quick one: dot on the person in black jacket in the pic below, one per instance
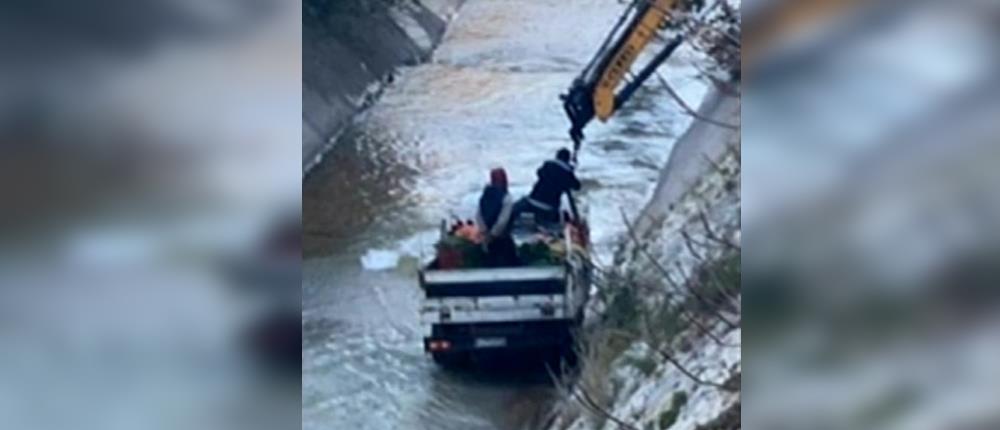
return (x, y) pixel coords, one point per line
(494, 221)
(555, 177)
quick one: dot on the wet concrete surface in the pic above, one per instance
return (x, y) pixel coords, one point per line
(489, 98)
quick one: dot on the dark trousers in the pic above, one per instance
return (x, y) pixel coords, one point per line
(542, 216)
(502, 252)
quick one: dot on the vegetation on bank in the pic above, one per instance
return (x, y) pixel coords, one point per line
(673, 294)
(647, 328)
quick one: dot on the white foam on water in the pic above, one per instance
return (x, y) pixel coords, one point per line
(379, 259)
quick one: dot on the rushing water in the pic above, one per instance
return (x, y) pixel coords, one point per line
(489, 98)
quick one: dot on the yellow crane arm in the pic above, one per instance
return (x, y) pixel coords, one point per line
(596, 92)
(646, 28)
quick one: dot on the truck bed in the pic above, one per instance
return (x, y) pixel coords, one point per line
(490, 312)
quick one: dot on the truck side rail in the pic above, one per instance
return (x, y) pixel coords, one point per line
(513, 281)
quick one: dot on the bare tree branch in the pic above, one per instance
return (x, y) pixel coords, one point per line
(688, 373)
(693, 320)
(666, 273)
(699, 24)
(705, 302)
(589, 403)
(712, 235)
(687, 108)
(715, 165)
(689, 244)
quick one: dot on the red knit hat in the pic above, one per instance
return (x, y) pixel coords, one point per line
(498, 177)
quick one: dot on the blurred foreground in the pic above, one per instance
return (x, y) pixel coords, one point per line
(149, 177)
(871, 212)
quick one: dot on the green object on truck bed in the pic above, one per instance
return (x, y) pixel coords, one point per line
(536, 254)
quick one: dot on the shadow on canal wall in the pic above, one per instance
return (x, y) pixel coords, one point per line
(350, 48)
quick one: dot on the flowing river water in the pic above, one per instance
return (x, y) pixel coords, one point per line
(371, 208)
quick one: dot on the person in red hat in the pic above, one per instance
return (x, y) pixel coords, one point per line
(494, 221)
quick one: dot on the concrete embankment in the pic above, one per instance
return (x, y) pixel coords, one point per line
(631, 385)
(351, 47)
(695, 155)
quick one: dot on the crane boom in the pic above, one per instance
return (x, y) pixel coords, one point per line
(645, 27)
(595, 92)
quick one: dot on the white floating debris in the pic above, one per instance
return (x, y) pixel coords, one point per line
(379, 259)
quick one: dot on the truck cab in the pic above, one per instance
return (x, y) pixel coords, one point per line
(534, 308)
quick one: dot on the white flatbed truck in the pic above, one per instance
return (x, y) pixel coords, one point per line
(479, 312)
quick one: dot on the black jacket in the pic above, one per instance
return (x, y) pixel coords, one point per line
(554, 178)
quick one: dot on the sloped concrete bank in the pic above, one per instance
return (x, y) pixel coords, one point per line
(697, 196)
(350, 48)
(695, 156)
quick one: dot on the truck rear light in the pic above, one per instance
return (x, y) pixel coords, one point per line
(548, 310)
(439, 345)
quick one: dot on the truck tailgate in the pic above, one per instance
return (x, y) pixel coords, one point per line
(514, 281)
